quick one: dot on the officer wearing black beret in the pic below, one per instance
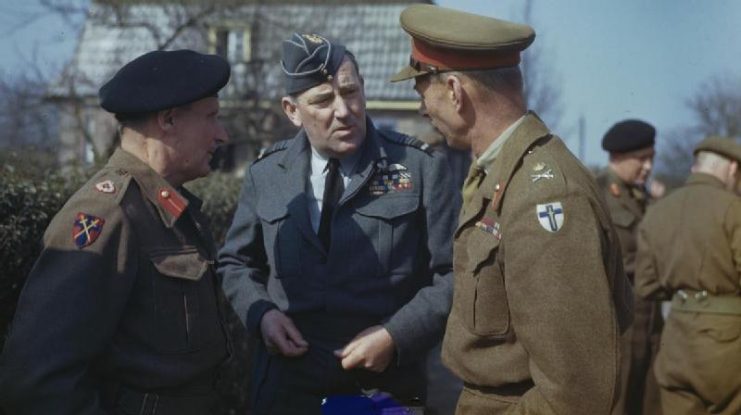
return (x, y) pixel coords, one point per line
(630, 144)
(339, 255)
(121, 312)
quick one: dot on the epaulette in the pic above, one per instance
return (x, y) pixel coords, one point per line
(406, 140)
(276, 147)
(111, 182)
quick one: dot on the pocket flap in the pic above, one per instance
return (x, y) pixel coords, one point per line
(271, 212)
(390, 207)
(481, 245)
(623, 218)
(185, 264)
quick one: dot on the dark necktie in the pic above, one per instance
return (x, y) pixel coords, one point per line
(333, 188)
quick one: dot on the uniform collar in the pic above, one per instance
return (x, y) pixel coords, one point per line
(529, 130)
(169, 202)
(705, 179)
(490, 154)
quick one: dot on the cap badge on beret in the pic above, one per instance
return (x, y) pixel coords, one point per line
(314, 38)
(309, 60)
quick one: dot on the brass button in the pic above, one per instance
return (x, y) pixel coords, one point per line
(165, 194)
(497, 187)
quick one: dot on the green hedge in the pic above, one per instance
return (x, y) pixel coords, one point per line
(31, 194)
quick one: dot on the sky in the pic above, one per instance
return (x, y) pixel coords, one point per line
(612, 60)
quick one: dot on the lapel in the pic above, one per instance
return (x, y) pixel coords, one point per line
(373, 156)
(295, 169)
(495, 183)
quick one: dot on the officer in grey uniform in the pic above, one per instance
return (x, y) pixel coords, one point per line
(339, 255)
(120, 314)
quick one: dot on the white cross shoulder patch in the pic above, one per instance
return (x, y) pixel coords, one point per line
(550, 216)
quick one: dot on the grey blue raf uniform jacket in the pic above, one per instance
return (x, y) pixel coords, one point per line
(391, 250)
(122, 298)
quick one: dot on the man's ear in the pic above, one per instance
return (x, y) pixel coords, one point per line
(166, 119)
(455, 91)
(290, 107)
(733, 170)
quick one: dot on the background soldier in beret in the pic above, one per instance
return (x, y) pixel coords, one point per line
(631, 147)
(540, 296)
(339, 256)
(689, 251)
(120, 313)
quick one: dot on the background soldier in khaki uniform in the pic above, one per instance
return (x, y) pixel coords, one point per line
(540, 297)
(631, 147)
(120, 313)
(689, 251)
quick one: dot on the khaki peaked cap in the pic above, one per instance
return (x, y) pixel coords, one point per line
(445, 39)
(726, 147)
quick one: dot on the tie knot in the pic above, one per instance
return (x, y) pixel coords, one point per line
(332, 164)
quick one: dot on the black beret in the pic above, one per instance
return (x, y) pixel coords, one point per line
(629, 135)
(310, 60)
(163, 79)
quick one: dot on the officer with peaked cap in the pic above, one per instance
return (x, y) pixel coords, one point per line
(540, 298)
(689, 252)
(121, 312)
(630, 144)
(339, 255)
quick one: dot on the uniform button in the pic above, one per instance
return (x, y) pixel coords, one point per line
(497, 187)
(165, 194)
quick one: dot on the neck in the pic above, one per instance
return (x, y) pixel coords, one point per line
(150, 151)
(489, 130)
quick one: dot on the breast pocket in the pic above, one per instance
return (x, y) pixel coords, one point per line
(182, 299)
(388, 223)
(480, 288)
(282, 240)
(623, 218)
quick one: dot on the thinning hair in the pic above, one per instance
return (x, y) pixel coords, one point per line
(707, 161)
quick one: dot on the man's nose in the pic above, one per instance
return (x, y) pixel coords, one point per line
(222, 137)
(341, 109)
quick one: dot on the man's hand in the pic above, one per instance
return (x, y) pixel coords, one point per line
(372, 349)
(281, 336)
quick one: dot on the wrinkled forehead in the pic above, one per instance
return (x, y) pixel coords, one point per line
(346, 75)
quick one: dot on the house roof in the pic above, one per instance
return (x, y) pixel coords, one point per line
(370, 30)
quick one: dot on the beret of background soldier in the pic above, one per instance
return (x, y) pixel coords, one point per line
(163, 79)
(629, 135)
(450, 40)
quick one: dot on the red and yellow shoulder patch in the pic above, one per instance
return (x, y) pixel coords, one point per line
(86, 229)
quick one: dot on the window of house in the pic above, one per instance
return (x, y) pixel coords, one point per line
(231, 42)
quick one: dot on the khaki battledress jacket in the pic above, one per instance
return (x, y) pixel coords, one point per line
(689, 248)
(540, 297)
(627, 206)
